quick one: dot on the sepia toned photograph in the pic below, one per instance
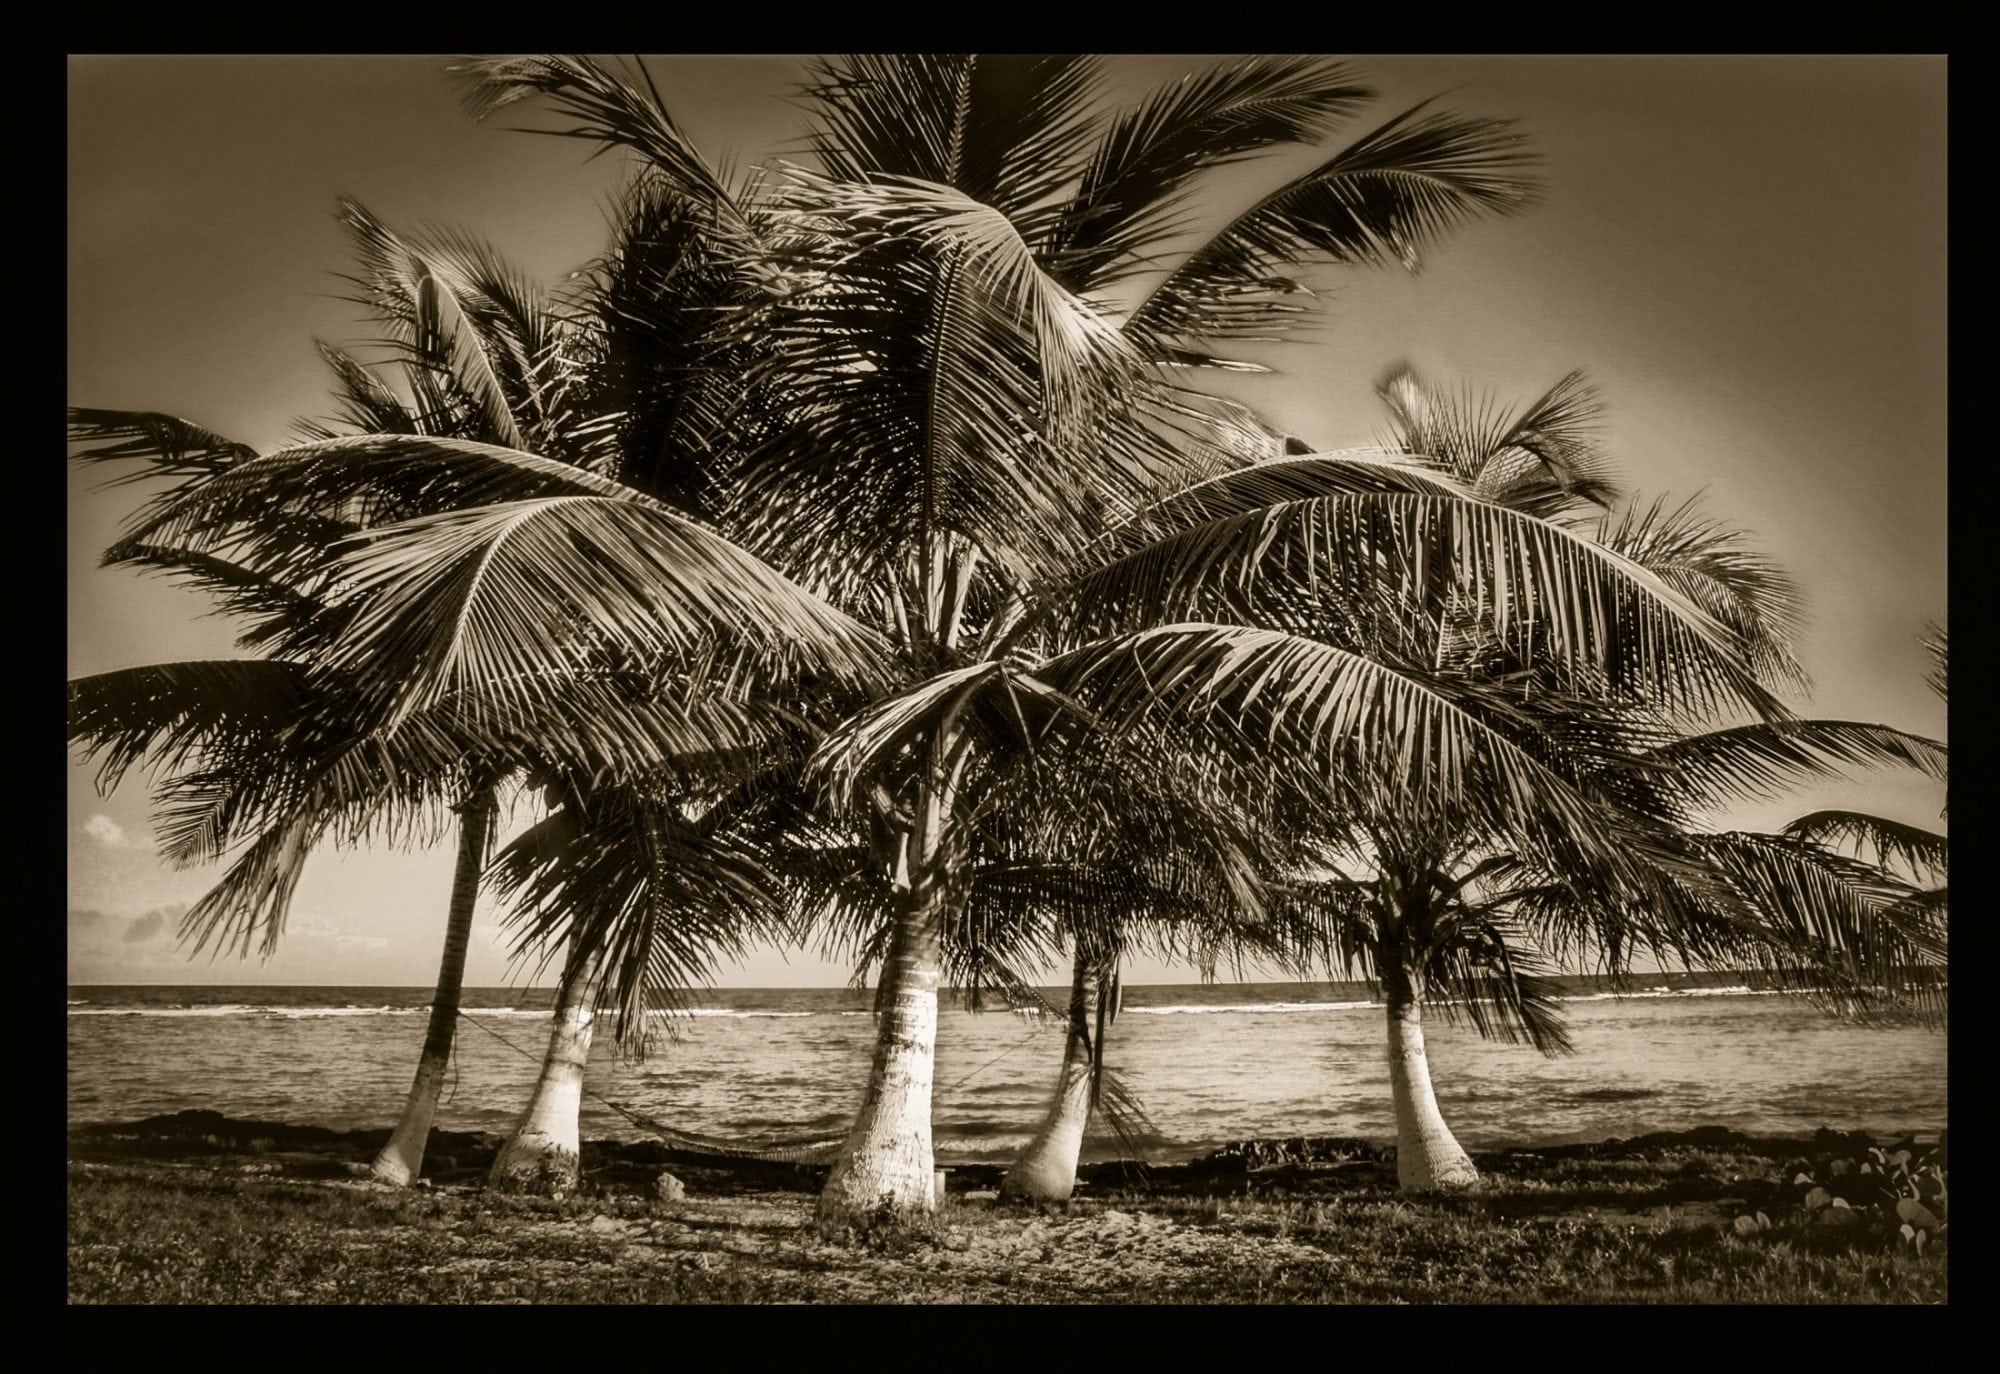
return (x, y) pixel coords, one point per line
(1022, 679)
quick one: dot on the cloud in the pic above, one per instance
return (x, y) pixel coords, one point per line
(313, 929)
(105, 947)
(112, 835)
(112, 947)
(148, 927)
(106, 832)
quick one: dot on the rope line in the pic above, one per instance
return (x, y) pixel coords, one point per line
(779, 1152)
(793, 1152)
(994, 1060)
(451, 1093)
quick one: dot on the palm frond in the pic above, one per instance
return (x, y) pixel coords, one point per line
(170, 446)
(1937, 645)
(608, 110)
(857, 751)
(1713, 566)
(1889, 842)
(489, 355)
(368, 405)
(1486, 976)
(174, 712)
(492, 599)
(1133, 195)
(1767, 758)
(271, 606)
(1007, 130)
(1593, 618)
(332, 487)
(1378, 201)
(254, 896)
(1843, 933)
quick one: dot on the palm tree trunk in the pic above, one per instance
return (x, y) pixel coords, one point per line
(1046, 1170)
(542, 1155)
(887, 1162)
(402, 1159)
(1428, 1157)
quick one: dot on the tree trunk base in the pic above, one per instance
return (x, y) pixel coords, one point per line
(528, 1168)
(394, 1171)
(1038, 1180)
(887, 1169)
(402, 1157)
(870, 1196)
(1428, 1158)
(1435, 1176)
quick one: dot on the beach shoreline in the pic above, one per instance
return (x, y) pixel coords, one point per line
(199, 1207)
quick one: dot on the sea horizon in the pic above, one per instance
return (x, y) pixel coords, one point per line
(1208, 1063)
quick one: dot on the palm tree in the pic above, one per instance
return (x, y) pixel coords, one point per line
(1153, 863)
(1541, 460)
(1440, 909)
(480, 354)
(964, 515)
(644, 886)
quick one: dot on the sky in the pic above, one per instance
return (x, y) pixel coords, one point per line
(1747, 254)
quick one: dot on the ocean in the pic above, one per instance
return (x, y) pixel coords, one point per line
(1208, 1063)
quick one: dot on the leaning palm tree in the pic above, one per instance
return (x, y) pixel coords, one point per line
(1164, 864)
(455, 316)
(643, 889)
(1440, 909)
(480, 353)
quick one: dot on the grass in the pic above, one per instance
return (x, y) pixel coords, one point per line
(1648, 1228)
(140, 1235)
(1467, 1251)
